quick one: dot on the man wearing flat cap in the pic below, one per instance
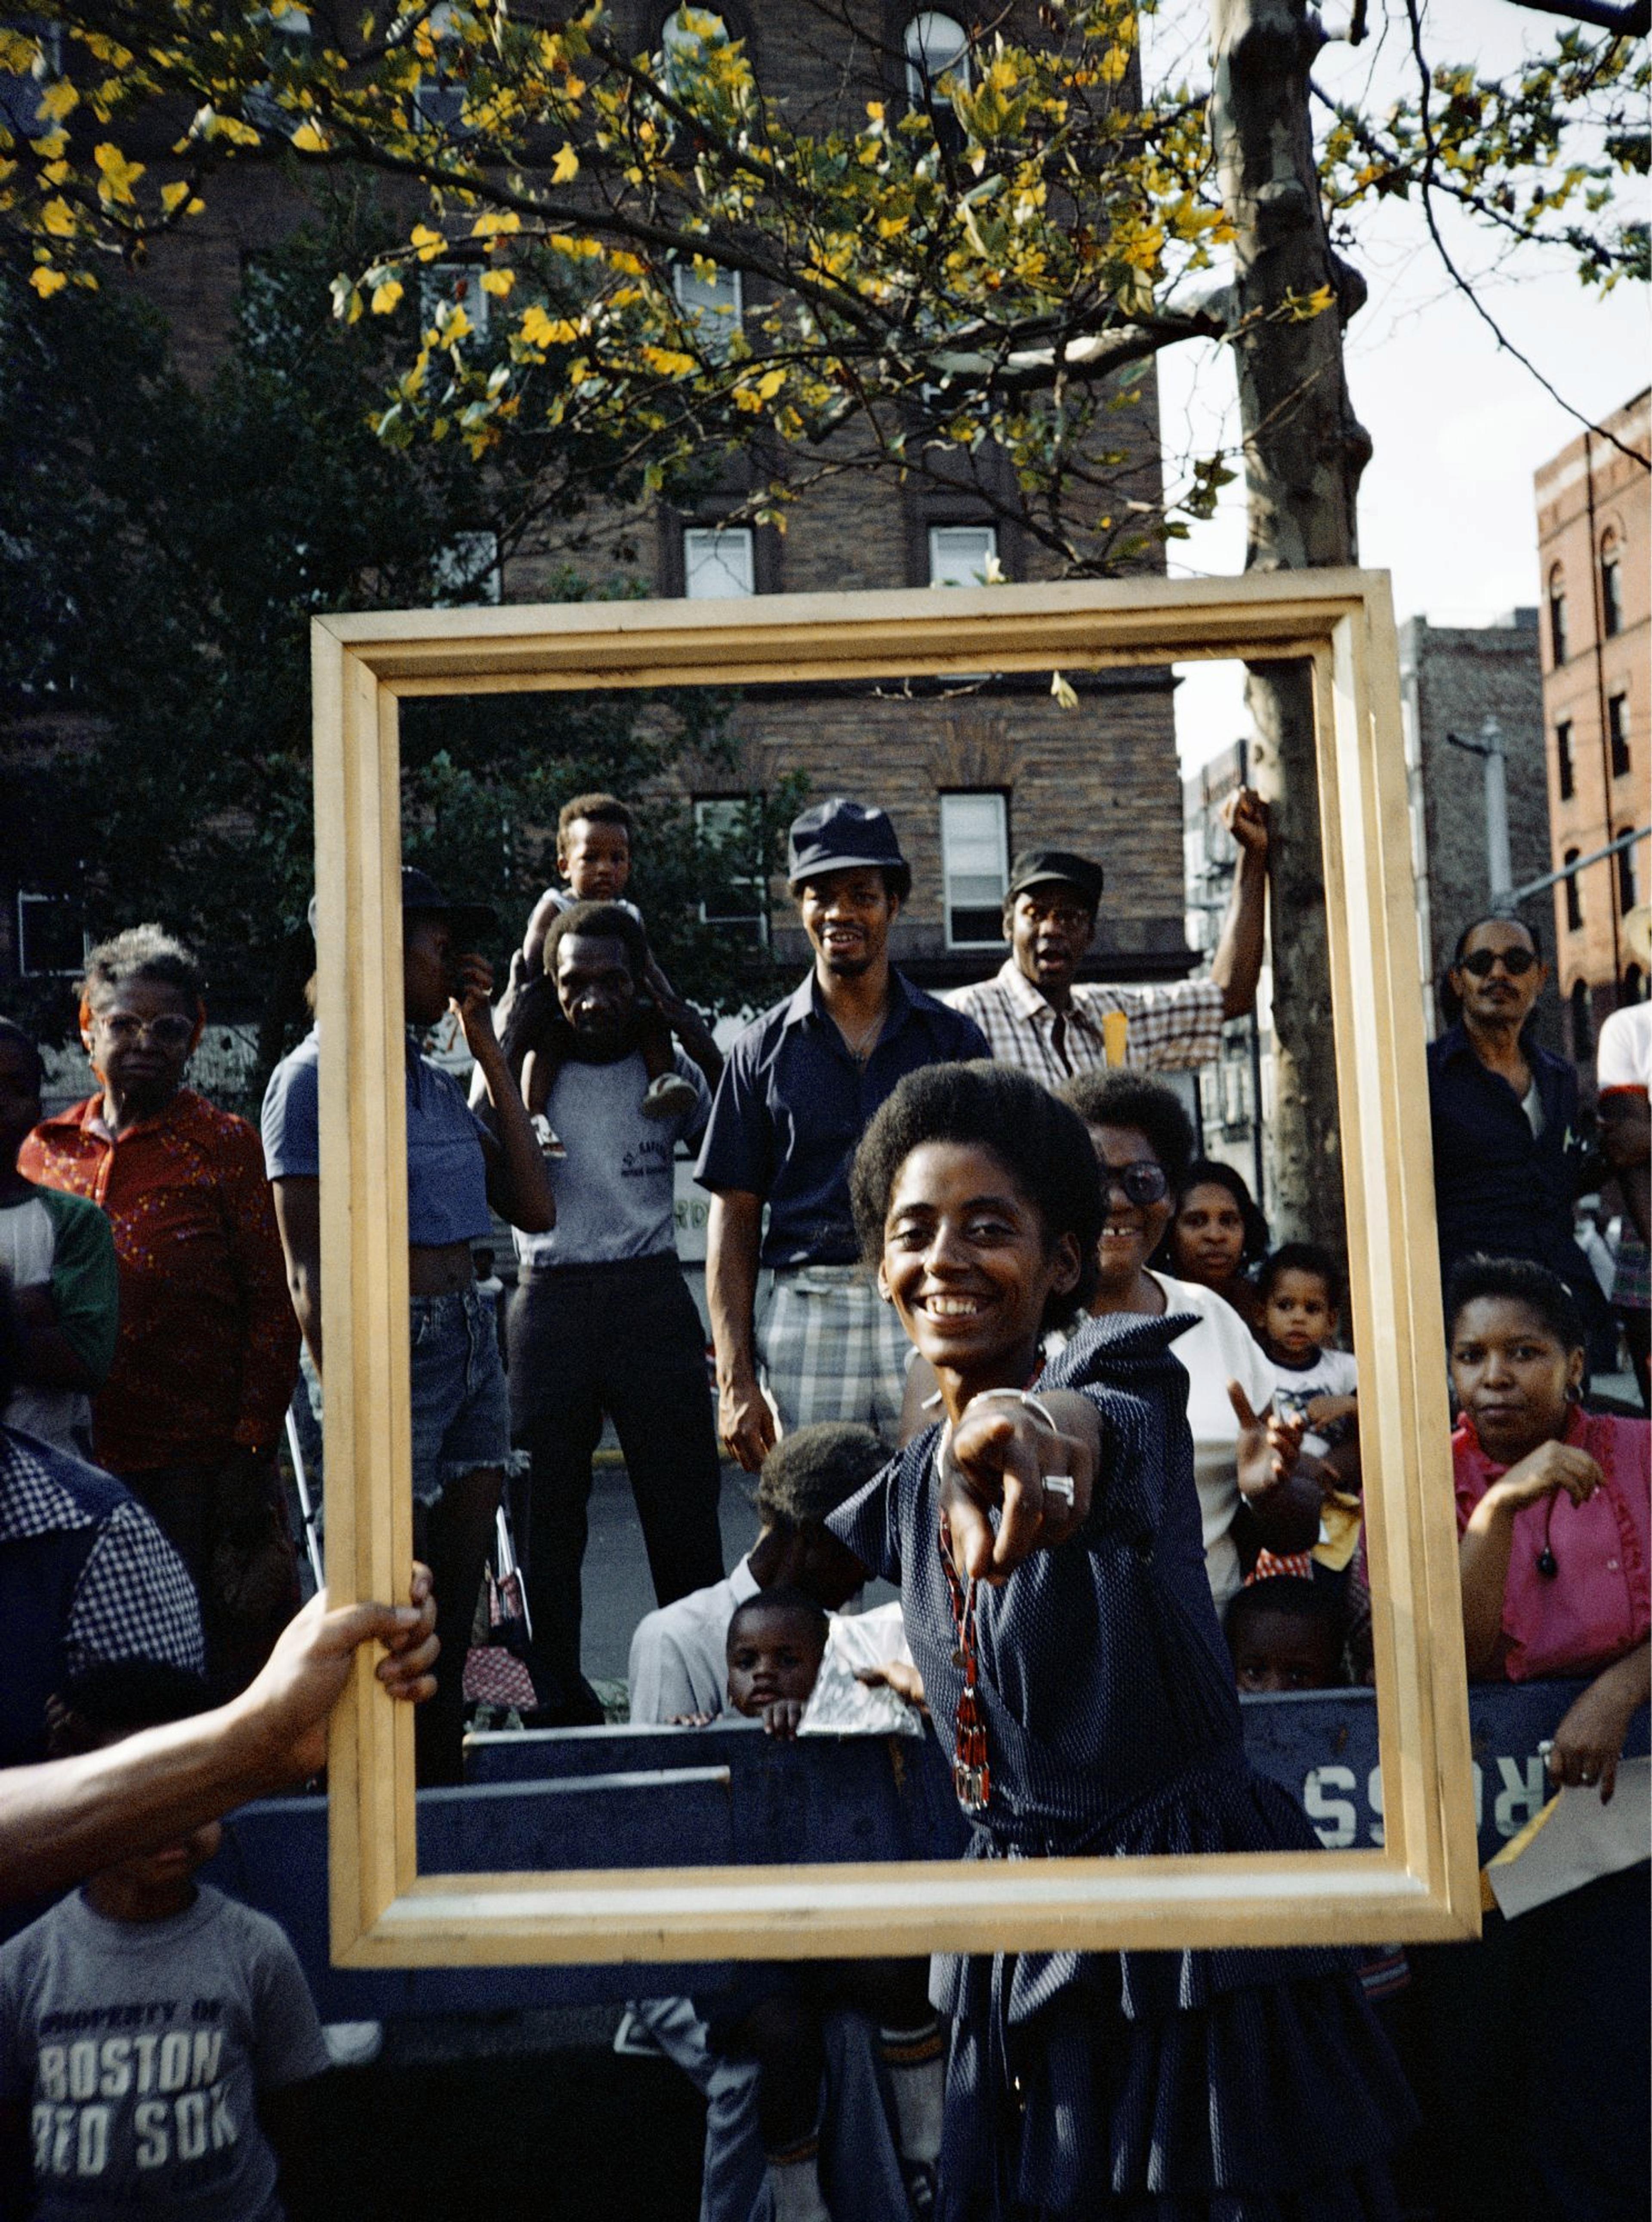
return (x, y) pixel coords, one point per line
(798, 1089)
(1036, 1015)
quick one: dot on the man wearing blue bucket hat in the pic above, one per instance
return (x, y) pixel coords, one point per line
(799, 1087)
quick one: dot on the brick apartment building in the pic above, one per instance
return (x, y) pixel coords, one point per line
(1594, 522)
(1453, 679)
(969, 774)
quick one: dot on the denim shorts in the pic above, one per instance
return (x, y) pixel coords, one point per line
(462, 1414)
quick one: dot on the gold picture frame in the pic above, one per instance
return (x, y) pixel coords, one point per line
(1422, 1883)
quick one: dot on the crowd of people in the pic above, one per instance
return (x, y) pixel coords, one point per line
(986, 1325)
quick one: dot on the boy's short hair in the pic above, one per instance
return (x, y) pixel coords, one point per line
(117, 1696)
(601, 920)
(795, 1604)
(20, 1037)
(1290, 1595)
(813, 1470)
(1521, 1281)
(596, 810)
(1302, 1258)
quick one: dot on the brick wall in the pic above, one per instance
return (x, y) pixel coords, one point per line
(1102, 778)
(1453, 678)
(1591, 499)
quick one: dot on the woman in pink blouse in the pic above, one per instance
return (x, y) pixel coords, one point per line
(1555, 1510)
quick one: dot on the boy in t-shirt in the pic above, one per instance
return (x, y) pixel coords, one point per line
(154, 2034)
(58, 1251)
(594, 843)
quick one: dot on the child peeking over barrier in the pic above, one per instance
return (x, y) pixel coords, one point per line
(776, 1640)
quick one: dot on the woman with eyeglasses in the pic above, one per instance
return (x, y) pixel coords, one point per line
(1510, 1156)
(1144, 1143)
(207, 1351)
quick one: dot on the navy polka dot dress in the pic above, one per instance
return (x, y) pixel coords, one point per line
(1161, 2087)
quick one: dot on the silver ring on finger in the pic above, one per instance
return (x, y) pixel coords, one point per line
(1060, 1485)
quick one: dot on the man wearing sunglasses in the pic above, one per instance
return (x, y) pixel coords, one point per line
(1508, 1158)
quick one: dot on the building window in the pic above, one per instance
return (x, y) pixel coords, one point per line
(718, 561)
(465, 570)
(974, 858)
(21, 91)
(1557, 616)
(1574, 900)
(1628, 892)
(1563, 759)
(439, 96)
(1618, 734)
(711, 300)
(1612, 586)
(686, 36)
(453, 286)
(51, 943)
(734, 881)
(962, 555)
(935, 45)
(1583, 1039)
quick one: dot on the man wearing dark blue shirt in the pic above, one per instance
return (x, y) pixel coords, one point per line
(1509, 1160)
(799, 1087)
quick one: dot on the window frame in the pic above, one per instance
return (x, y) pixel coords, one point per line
(996, 943)
(691, 531)
(1611, 584)
(1618, 733)
(51, 897)
(1566, 770)
(1572, 892)
(1558, 640)
(760, 917)
(449, 591)
(1423, 1882)
(934, 530)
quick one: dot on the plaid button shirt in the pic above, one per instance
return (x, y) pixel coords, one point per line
(135, 1598)
(1171, 1029)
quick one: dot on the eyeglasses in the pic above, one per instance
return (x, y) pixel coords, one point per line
(1516, 963)
(1143, 1181)
(170, 1031)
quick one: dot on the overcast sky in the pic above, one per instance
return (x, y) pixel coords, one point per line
(1458, 426)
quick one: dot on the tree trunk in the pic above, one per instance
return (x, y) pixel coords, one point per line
(1304, 454)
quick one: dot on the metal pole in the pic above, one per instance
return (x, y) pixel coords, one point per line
(1500, 865)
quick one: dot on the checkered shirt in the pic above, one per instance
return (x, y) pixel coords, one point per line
(1171, 1029)
(135, 1598)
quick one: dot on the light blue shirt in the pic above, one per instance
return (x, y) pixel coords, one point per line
(447, 1171)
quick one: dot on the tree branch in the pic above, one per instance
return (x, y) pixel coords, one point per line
(1633, 21)
(1425, 117)
(1095, 355)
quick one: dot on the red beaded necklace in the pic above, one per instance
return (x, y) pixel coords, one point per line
(971, 1776)
(971, 1773)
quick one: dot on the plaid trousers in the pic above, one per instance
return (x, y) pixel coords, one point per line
(832, 1349)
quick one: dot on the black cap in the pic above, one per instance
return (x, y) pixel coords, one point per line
(471, 922)
(838, 835)
(1037, 868)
